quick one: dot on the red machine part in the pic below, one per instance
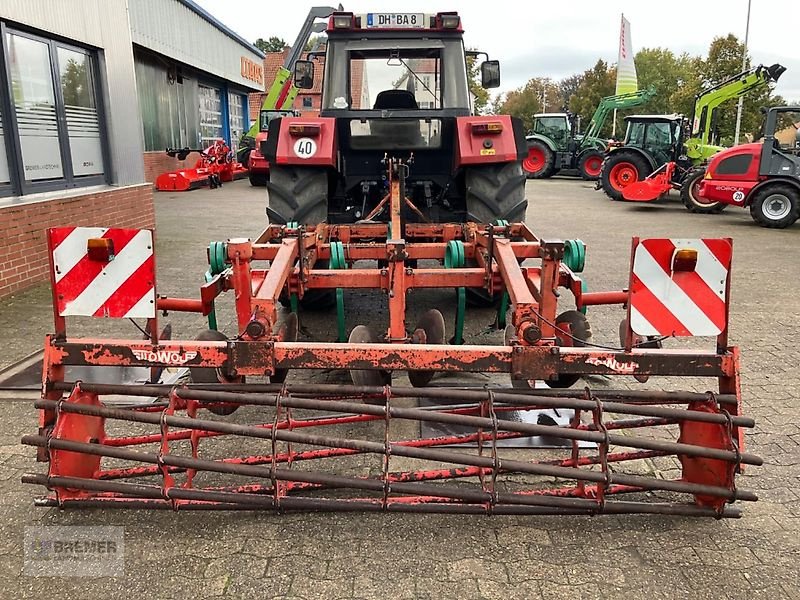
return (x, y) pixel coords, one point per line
(653, 187)
(215, 166)
(77, 434)
(307, 141)
(732, 188)
(485, 140)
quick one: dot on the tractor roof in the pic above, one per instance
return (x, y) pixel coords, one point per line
(561, 114)
(343, 22)
(655, 118)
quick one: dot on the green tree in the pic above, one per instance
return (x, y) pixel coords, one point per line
(273, 44)
(75, 84)
(316, 41)
(540, 93)
(567, 87)
(598, 82)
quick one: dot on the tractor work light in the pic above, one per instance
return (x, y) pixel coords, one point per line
(684, 259)
(305, 130)
(342, 21)
(449, 20)
(100, 249)
(491, 128)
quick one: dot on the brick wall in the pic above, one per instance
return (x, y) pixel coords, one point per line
(23, 253)
(156, 163)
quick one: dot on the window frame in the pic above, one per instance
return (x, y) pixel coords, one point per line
(19, 186)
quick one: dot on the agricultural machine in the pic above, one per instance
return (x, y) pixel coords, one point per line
(215, 166)
(762, 176)
(248, 430)
(555, 143)
(279, 99)
(664, 152)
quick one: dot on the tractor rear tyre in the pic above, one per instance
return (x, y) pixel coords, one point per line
(494, 192)
(691, 198)
(540, 162)
(620, 170)
(300, 194)
(258, 179)
(297, 194)
(776, 206)
(590, 164)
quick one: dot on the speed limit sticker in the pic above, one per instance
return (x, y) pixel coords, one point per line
(738, 196)
(305, 147)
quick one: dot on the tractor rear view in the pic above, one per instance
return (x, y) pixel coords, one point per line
(664, 152)
(394, 190)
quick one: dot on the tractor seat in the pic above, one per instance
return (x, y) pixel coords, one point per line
(398, 133)
(396, 99)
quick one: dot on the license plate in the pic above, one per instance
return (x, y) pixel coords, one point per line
(396, 20)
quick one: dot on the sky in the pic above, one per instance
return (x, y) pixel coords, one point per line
(546, 39)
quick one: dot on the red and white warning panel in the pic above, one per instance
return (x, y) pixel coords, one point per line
(679, 287)
(100, 272)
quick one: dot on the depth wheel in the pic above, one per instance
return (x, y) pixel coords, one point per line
(362, 334)
(580, 332)
(208, 375)
(430, 329)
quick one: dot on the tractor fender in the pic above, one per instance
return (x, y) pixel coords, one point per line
(773, 180)
(542, 138)
(502, 140)
(636, 151)
(301, 141)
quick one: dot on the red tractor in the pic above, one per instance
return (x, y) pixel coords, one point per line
(763, 176)
(396, 90)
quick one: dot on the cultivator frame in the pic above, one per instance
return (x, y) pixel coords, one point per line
(74, 432)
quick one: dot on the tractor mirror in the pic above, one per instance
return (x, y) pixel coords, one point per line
(797, 139)
(304, 74)
(490, 74)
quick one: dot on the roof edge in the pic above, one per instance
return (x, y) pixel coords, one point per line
(209, 18)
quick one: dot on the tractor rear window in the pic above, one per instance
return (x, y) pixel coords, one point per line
(395, 79)
(395, 134)
(735, 165)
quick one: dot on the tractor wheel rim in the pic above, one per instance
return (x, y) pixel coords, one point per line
(623, 174)
(593, 165)
(534, 162)
(777, 207)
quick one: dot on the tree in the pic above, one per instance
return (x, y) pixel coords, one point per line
(567, 87)
(597, 83)
(316, 41)
(75, 84)
(479, 93)
(273, 44)
(538, 94)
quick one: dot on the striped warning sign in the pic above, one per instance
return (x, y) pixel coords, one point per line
(679, 287)
(117, 282)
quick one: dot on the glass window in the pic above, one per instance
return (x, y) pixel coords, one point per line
(34, 103)
(4, 175)
(210, 100)
(405, 80)
(80, 108)
(395, 134)
(308, 102)
(236, 120)
(553, 127)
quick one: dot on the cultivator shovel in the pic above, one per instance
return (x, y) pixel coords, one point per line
(244, 435)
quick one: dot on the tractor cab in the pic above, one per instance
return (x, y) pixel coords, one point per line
(559, 127)
(661, 136)
(395, 88)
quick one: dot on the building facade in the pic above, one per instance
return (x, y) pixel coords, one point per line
(91, 94)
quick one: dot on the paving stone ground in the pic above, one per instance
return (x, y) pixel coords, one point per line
(229, 555)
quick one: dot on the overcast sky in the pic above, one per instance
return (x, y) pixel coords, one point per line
(538, 39)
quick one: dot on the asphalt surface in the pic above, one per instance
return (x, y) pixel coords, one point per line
(258, 555)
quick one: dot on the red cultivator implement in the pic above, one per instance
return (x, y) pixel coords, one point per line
(224, 441)
(215, 166)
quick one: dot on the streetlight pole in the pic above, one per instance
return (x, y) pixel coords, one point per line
(744, 66)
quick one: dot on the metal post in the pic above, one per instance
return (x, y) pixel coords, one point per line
(744, 66)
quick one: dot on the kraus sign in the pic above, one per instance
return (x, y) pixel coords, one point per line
(252, 71)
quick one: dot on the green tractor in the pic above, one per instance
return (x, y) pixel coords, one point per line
(555, 144)
(663, 152)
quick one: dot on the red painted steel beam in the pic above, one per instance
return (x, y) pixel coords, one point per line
(597, 298)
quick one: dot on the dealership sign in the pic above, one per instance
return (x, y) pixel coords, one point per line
(252, 71)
